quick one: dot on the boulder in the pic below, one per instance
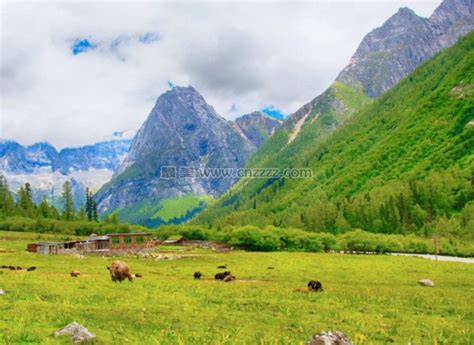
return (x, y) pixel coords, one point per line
(426, 282)
(329, 338)
(79, 333)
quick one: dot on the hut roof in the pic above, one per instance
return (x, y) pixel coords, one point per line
(98, 238)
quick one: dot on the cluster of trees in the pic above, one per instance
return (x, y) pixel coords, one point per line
(271, 238)
(64, 227)
(23, 205)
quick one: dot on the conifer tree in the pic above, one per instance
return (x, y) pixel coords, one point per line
(7, 205)
(95, 214)
(68, 210)
(44, 208)
(26, 199)
(89, 207)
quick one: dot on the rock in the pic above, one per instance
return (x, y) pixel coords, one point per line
(79, 333)
(329, 338)
(2, 292)
(426, 282)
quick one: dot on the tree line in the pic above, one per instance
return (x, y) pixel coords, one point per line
(23, 205)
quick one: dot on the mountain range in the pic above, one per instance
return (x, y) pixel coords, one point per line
(185, 155)
(46, 168)
(92, 166)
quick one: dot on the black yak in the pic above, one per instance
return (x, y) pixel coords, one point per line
(315, 286)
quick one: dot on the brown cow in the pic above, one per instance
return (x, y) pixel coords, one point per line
(75, 274)
(119, 271)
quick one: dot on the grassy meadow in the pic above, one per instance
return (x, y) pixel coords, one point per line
(374, 299)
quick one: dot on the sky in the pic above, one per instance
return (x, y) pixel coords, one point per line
(72, 73)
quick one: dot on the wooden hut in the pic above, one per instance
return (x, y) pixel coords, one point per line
(96, 244)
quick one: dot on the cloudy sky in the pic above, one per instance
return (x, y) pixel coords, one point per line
(72, 73)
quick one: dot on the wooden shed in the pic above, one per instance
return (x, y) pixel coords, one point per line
(176, 240)
(49, 247)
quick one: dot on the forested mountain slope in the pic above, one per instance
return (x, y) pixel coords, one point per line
(401, 164)
(384, 56)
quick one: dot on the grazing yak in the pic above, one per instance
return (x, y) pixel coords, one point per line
(222, 266)
(75, 274)
(119, 271)
(18, 268)
(315, 286)
(222, 275)
(197, 275)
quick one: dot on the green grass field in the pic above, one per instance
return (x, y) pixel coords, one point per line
(373, 299)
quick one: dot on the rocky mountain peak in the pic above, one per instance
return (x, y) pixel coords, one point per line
(390, 52)
(182, 130)
(403, 14)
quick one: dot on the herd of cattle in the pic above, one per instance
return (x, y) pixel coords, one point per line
(19, 268)
(119, 271)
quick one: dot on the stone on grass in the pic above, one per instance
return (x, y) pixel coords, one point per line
(2, 292)
(426, 282)
(79, 333)
(329, 338)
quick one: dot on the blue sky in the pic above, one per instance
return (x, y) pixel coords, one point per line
(81, 46)
(273, 112)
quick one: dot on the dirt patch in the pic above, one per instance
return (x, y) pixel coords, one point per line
(6, 250)
(298, 126)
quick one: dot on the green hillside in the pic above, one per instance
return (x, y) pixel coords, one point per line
(167, 211)
(402, 164)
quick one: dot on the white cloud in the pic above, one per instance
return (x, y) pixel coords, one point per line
(248, 54)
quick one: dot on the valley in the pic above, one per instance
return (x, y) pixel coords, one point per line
(264, 191)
